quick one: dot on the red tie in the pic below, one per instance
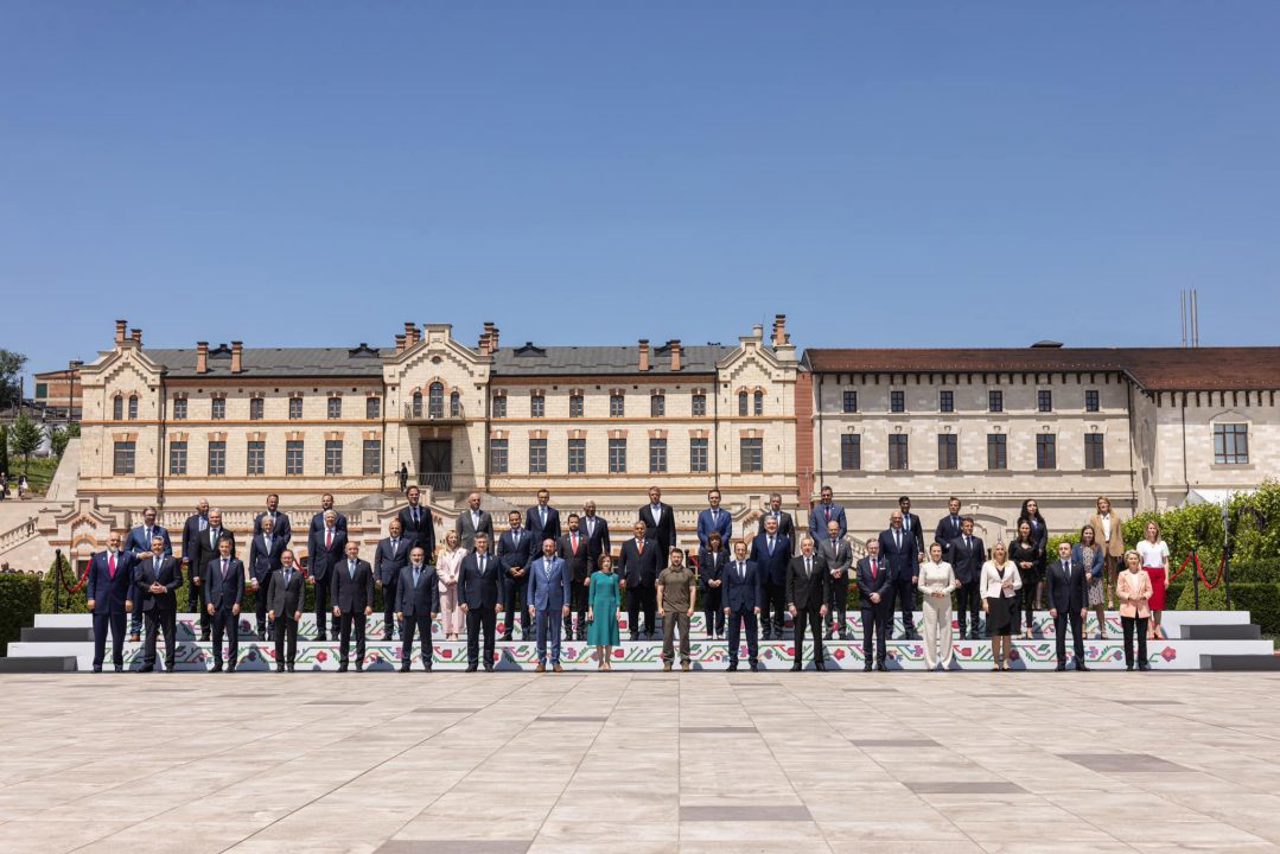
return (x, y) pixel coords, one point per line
(575, 544)
(328, 538)
(111, 564)
(640, 546)
(875, 571)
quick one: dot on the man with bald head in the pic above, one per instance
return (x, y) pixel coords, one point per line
(901, 550)
(193, 530)
(473, 521)
(110, 589)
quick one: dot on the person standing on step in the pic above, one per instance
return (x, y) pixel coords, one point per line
(808, 592)
(637, 573)
(482, 592)
(966, 554)
(352, 583)
(515, 549)
(264, 560)
(900, 551)
(677, 596)
(771, 551)
(279, 520)
(937, 580)
(417, 522)
(158, 576)
(449, 571)
(743, 605)
(194, 540)
(875, 589)
(1155, 560)
(597, 533)
(542, 521)
(139, 545)
(390, 556)
(550, 588)
(224, 578)
(711, 563)
(1109, 529)
(837, 556)
(824, 513)
(949, 526)
(417, 604)
(1000, 582)
(1133, 590)
(110, 588)
(473, 521)
(714, 520)
(659, 525)
(1068, 595)
(603, 599)
(574, 551)
(326, 504)
(326, 547)
(287, 592)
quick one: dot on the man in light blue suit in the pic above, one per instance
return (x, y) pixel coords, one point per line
(714, 519)
(549, 595)
(139, 545)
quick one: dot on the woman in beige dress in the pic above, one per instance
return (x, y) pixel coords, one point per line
(937, 580)
(449, 568)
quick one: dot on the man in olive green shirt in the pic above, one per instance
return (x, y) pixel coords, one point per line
(677, 597)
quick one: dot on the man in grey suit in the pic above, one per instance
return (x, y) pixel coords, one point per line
(352, 581)
(836, 553)
(549, 595)
(287, 589)
(473, 521)
(391, 555)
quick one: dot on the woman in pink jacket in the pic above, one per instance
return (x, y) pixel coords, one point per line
(1133, 589)
(449, 568)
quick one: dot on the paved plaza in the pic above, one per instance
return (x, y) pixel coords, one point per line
(634, 762)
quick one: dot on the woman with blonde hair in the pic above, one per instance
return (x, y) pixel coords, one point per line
(1155, 560)
(999, 588)
(937, 580)
(449, 557)
(1133, 590)
(1108, 528)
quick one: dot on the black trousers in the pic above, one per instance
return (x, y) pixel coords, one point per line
(389, 587)
(196, 602)
(116, 623)
(478, 619)
(643, 598)
(286, 631)
(775, 600)
(135, 619)
(713, 611)
(324, 610)
(837, 606)
(158, 619)
(349, 621)
(516, 602)
(1130, 626)
(905, 595)
(226, 622)
(733, 634)
(1030, 581)
(813, 618)
(1060, 623)
(420, 624)
(578, 594)
(875, 626)
(260, 605)
(969, 604)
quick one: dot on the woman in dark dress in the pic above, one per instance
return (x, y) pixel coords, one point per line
(999, 585)
(712, 560)
(1028, 558)
(1040, 536)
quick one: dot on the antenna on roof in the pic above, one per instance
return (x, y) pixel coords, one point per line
(1190, 305)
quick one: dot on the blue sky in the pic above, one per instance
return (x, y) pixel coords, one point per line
(892, 174)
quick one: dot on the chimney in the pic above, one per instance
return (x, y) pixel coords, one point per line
(491, 332)
(674, 346)
(237, 356)
(644, 354)
(399, 344)
(410, 334)
(202, 357)
(780, 335)
(120, 330)
(136, 335)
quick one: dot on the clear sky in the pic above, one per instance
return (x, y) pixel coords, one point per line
(887, 174)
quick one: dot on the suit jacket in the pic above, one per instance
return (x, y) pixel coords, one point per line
(818, 521)
(1067, 591)
(773, 567)
(481, 590)
(965, 562)
(139, 541)
(352, 595)
(515, 554)
(317, 522)
(808, 591)
(190, 532)
(322, 559)
(422, 600)
(786, 525)
(533, 524)
(881, 583)
(285, 600)
(722, 523)
(168, 573)
(914, 525)
(948, 529)
(282, 527)
(422, 532)
(264, 561)
(467, 528)
(549, 588)
(839, 557)
(109, 594)
(597, 538)
(637, 568)
(388, 561)
(742, 595)
(223, 592)
(1115, 545)
(711, 567)
(663, 531)
(903, 561)
(579, 562)
(204, 549)
(1134, 593)
(1039, 536)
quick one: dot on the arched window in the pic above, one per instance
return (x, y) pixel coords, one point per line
(117, 408)
(435, 401)
(455, 404)
(742, 403)
(417, 404)
(133, 407)
(759, 403)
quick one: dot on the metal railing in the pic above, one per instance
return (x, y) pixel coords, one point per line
(438, 481)
(434, 413)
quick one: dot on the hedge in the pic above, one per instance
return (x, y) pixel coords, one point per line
(19, 604)
(1261, 600)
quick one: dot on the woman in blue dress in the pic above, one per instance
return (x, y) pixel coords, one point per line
(603, 598)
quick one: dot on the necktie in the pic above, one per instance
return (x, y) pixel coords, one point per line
(288, 577)
(415, 515)
(1064, 567)
(224, 569)
(546, 565)
(875, 569)
(574, 540)
(213, 537)
(351, 569)
(481, 561)
(148, 535)
(328, 538)
(591, 525)
(808, 566)
(715, 515)
(111, 564)
(967, 544)
(897, 539)
(771, 546)
(417, 573)
(828, 512)
(640, 546)
(742, 571)
(269, 538)
(543, 513)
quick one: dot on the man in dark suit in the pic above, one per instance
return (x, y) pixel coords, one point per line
(326, 504)
(714, 520)
(837, 555)
(770, 552)
(204, 549)
(824, 513)
(573, 550)
(596, 530)
(515, 548)
(326, 547)
(264, 560)
(911, 522)
(352, 587)
(786, 524)
(966, 554)
(391, 555)
(280, 523)
(480, 587)
(417, 604)
(139, 545)
(743, 598)
(901, 552)
(224, 582)
(473, 521)
(949, 525)
(1068, 593)
(193, 530)
(542, 521)
(287, 591)
(158, 576)
(875, 588)
(659, 525)
(110, 588)
(808, 591)
(418, 523)
(638, 574)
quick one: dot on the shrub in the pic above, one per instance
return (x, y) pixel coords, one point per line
(68, 603)
(1262, 601)
(19, 603)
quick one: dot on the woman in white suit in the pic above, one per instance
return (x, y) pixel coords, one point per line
(937, 580)
(449, 569)
(999, 588)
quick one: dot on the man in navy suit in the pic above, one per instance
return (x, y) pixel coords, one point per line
(911, 522)
(824, 513)
(139, 545)
(966, 554)
(264, 560)
(110, 588)
(743, 598)
(193, 531)
(280, 523)
(158, 576)
(549, 592)
(480, 587)
(417, 604)
(713, 519)
(949, 525)
(352, 582)
(542, 520)
(515, 548)
(419, 524)
(1068, 592)
(875, 587)
(326, 547)
(572, 548)
(597, 532)
(786, 524)
(659, 525)
(901, 552)
(638, 574)
(326, 504)
(770, 551)
(224, 578)
(204, 548)
(391, 555)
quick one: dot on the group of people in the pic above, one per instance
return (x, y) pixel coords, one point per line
(561, 580)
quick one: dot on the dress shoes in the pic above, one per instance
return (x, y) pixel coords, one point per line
(289, 667)
(119, 668)
(506, 638)
(135, 637)
(98, 669)
(342, 668)
(666, 667)
(204, 637)
(541, 668)
(755, 668)
(557, 668)
(387, 636)
(404, 667)
(732, 668)
(359, 667)
(279, 668)
(882, 667)
(866, 668)
(217, 668)
(1061, 667)
(426, 665)
(635, 637)
(686, 666)
(145, 669)
(1080, 665)
(797, 667)
(231, 668)
(819, 665)
(1144, 666)
(488, 668)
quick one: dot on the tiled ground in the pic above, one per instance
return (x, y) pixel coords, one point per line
(639, 762)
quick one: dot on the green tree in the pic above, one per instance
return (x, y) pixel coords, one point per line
(24, 439)
(58, 440)
(10, 370)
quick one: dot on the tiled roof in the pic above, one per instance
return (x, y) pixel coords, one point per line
(531, 360)
(277, 362)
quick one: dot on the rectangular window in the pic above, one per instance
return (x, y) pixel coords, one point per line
(758, 403)
(698, 455)
(617, 456)
(372, 455)
(850, 452)
(177, 458)
(295, 408)
(1091, 403)
(179, 409)
(537, 456)
(946, 401)
(498, 460)
(42, 391)
(1231, 444)
(898, 457)
(293, 456)
(577, 456)
(995, 401)
(133, 408)
(576, 407)
(256, 458)
(751, 451)
(500, 406)
(897, 401)
(657, 405)
(850, 401)
(1094, 455)
(217, 459)
(657, 456)
(948, 452)
(218, 408)
(699, 405)
(997, 451)
(537, 406)
(125, 455)
(1044, 400)
(333, 456)
(1046, 451)
(256, 407)
(617, 406)
(372, 408)
(335, 408)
